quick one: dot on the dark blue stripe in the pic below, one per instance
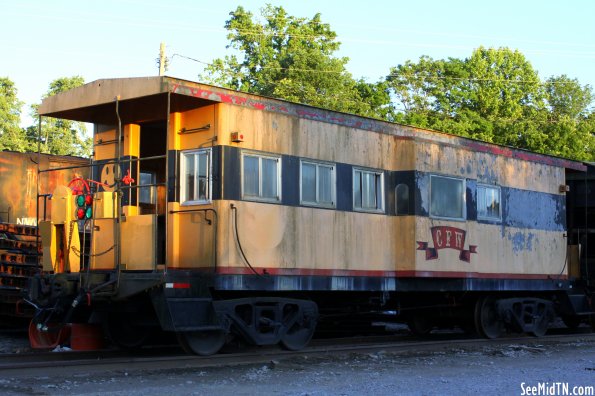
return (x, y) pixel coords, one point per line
(344, 178)
(372, 283)
(216, 167)
(536, 210)
(231, 173)
(173, 170)
(520, 208)
(290, 185)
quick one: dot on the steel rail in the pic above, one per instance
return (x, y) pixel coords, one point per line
(37, 364)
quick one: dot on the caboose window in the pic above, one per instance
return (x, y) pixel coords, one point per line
(317, 184)
(368, 190)
(261, 177)
(195, 168)
(488, 202)
(447, 197)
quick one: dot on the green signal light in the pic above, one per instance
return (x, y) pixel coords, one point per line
(89, 213)
(80, 200)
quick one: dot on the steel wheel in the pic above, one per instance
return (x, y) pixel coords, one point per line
(300, 328)
(297, 337)
(203, 343)
(487, 319)
(420, 325)
(571, 321)
(123, 333)
(541, 321)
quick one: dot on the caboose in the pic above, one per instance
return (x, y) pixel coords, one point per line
(213, 213)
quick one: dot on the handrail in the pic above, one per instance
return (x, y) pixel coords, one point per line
(102, 163)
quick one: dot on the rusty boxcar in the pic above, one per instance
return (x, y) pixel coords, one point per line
(214, 213)
(19, 249)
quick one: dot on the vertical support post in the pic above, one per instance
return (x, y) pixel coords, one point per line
(167, 134)
(118, 196)
(37, 183)
(162, 59)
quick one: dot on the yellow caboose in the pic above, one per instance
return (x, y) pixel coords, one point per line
(213, 212)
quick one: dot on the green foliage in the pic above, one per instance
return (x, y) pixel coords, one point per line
(12, 137)
(293, 59)
(58, 136)
(496, 96)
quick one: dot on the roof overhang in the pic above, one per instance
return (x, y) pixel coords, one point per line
(138, 99)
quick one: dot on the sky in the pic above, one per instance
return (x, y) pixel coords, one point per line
(44, 40)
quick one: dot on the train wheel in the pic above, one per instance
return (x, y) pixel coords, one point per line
(542, 318)
(487, 319)
(203, 343)
(124, 334)
(300, 327)
(571, 321)
(297, 337)
(420, 325)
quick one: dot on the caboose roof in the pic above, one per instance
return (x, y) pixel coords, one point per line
(145, 99)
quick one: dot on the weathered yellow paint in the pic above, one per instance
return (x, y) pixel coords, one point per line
(103, 244)
(62, 205)
(196, 242)
(139, 242)
(500, 249)
(197, 118)
(173, 235)
(275, 236)
(130, 210)
(175, 124)
(60, 238)
(103, 205)
(191, 241)
(131, 140)
(47, 231)
(281, 134)
(488, 168)
(102, 149)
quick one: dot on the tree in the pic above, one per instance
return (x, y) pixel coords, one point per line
(293, 59)
(571, 126)
(12, 136)
(495, 95)
(61, 137)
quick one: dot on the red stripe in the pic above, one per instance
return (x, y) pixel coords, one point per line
(371, 273)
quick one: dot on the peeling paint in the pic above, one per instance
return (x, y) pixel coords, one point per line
(521, 242)
(423, 186)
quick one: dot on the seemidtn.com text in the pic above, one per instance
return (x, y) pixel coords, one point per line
(556, 389)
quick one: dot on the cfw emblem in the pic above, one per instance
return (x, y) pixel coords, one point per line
(446, 237)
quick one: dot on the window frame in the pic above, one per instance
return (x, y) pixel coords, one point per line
(260, 157)
(379, 208)
(317, 203)
(151, 189)
(183, 184)
(493, 187)
(463, 203)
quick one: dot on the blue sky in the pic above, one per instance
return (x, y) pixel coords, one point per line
(43, 40)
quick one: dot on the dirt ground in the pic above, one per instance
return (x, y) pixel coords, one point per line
(503, 370)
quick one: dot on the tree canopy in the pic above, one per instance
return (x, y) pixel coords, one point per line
(293, 59)
(12, 137)
(495, 95)
(58, 136)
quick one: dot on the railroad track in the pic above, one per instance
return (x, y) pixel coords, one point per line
(170, 358)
